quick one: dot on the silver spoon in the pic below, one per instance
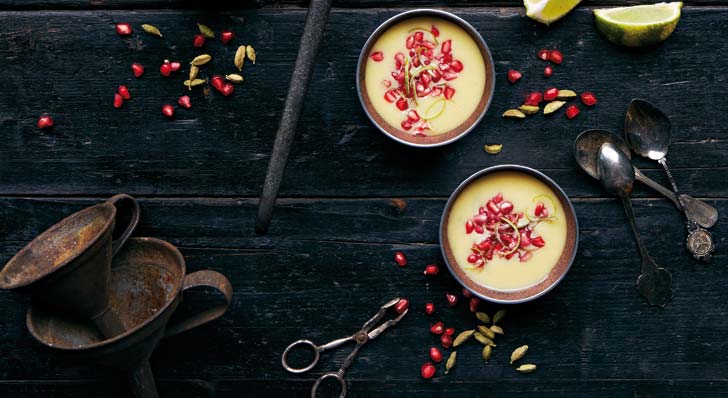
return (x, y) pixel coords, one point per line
(647, 130)
(587, 146)
(617, 177)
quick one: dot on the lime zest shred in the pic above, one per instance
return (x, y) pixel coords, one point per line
(427, 116)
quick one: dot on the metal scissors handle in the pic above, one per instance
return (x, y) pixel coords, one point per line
(367, 332)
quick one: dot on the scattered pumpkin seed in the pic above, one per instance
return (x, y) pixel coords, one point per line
(526, 368)
(463, 337)
(240, 58)
(566, 94)
(493, 149)
(499, 316)
(552, 107)
(206, 31)
(194, 70)
(250, 52)
(234, 77)
(487, 352)
(515, 113)
(151, 29)
(451, 361)
(497, 329)
(518, 353)
(486, 332)
(193, 83)
(201, 59)
(529, 109)
(483, 317)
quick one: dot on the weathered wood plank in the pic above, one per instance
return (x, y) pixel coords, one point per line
(69, 64)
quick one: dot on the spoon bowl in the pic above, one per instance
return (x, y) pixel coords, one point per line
(647, 129)
(615, 170)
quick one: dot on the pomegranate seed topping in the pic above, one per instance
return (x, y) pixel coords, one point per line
(450, 75)
(45, 122)
(406, 125)
(466, 293)
(402, 104)
(401, 306)
(506, 207)
(480, 219)
(446, 46)
(548, 71)
(556, 57)
(478, 229)
(227, 89)
(429, 308)
(124, 92)
(398, 60)
(425, 79)
(538, 241)
(551, 94)
(198, 41)
(449, 92)
(435, 354)
(175, 66)
(419, 36)
(452, 300)
(436, 91)
(588, 98)
(165, 69)
(217, 81)
(377, 56)
(123, 29)
(400, 259)
(410, 42)
(435, 31)
(513, 75)
(118, 100)
(538, 210)
(428, 370)
(137, 69)
(226, 36)
(387, 83)
(184, 101)
(456, 66)
(572, 111)
(534, 98)
(437, 328)
(543, 55)
(474, 303)
(413, 116)
(168, 110)
(432, 269)
(468, 226)
(446, 340)
(449, 331)
(390, 96)
(473, 258)
(525, 257)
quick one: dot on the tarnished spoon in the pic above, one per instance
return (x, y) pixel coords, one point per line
(617, 177)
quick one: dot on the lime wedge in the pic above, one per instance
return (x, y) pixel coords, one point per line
(548, 11)
(638, 26)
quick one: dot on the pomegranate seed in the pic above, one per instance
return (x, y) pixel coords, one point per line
(478, 229)
(506, 207)
(435, 31)
(437, 328)
(137, 69)
(184, 101)
(118, 100)
(175, 66)
(45, 122)
(449, 92)
(428, 370)
(449, 331)
(456, 66)
(429, 308)
(436, 91)
(413, 116)
(551, 94)
(435, 354)
(123, 29)
(426, 79)
(198, 41)
(538, 242)
(390, 96)
(480, 219)
(452, 300)
(217, 81)
(534, 98)
(446, 47)
(168, 110)
(419, 36)
(227, 89)
(466, 293)
(443, 66)
(165, 69)
(538, 211)
(398, 60)
(588, 98)
(377, 56)
(513, 75)
(410, 42)
(400, 259)
(387, 83)
(432, 269)
(401, 306)
(474, 303)
(226, 36)
(124, 92)
(525, 257)
(446, 341)
(548, 71)
(468, 226)
(572, 111)
(406, 125)
(556, 57)
(450, 75)
(473, 258)
(402, 104)
(543, 54)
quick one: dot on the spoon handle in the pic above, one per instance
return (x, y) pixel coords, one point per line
(663, 162)
(656, 186)
(627, 203)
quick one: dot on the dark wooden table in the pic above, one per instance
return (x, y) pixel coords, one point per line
(352, 197)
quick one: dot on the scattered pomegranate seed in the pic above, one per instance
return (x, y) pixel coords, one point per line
(513, 75)
(456, 66)
(175, 66)
(474, 303)
(588, 98)
(401, 306)
(437, 328)
(227, 89)
(406, 125)
(506, 207)
(432, 269)
(466, 293)
(390, 96)
(400, 259)
(137, 69)
(402, 104)
(543, 54)
(217, 82)
(556, 57)
(377, 56)
(165, 69)
(448, 92)
(435, 31)
(198, 41)
(435, 354)
(449, 331)
(124, 92)
(572, 111)
(428, 370)
(168, 110)
(548, 71)
(551, 94)
(446, 341)
(446, 46)
(226, 36)
(387, 83)
(534, 98)
(118, 100)
(452, 300)
(184, 101)
(413, 116)
(123, 29)
(429, 308)
(45, 122)
(538, 242)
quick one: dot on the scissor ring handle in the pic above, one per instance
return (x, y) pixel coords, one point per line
(307, 343)
(325, 376)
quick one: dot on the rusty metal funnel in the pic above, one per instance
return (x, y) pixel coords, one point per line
(147, 279)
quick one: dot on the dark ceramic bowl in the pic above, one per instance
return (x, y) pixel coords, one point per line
(431, 141)
(530, 292)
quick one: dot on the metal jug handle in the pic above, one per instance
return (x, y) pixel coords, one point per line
(127, 218)
(206, 278)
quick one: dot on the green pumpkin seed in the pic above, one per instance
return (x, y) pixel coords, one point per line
(483, 317)
(529, 109)
(487, 352)
(486, 332)
(552, 107)
(463, 337)
(240, 58)
(518, 353)
(527, 368)
(451, 361)
(497, 329)
(566, 94)
(206, 31)
(152, 30)
(499, 316)
(514, 113)
(201, 59)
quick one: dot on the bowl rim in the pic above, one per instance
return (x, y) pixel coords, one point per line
(465, 25)
(533, 172)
